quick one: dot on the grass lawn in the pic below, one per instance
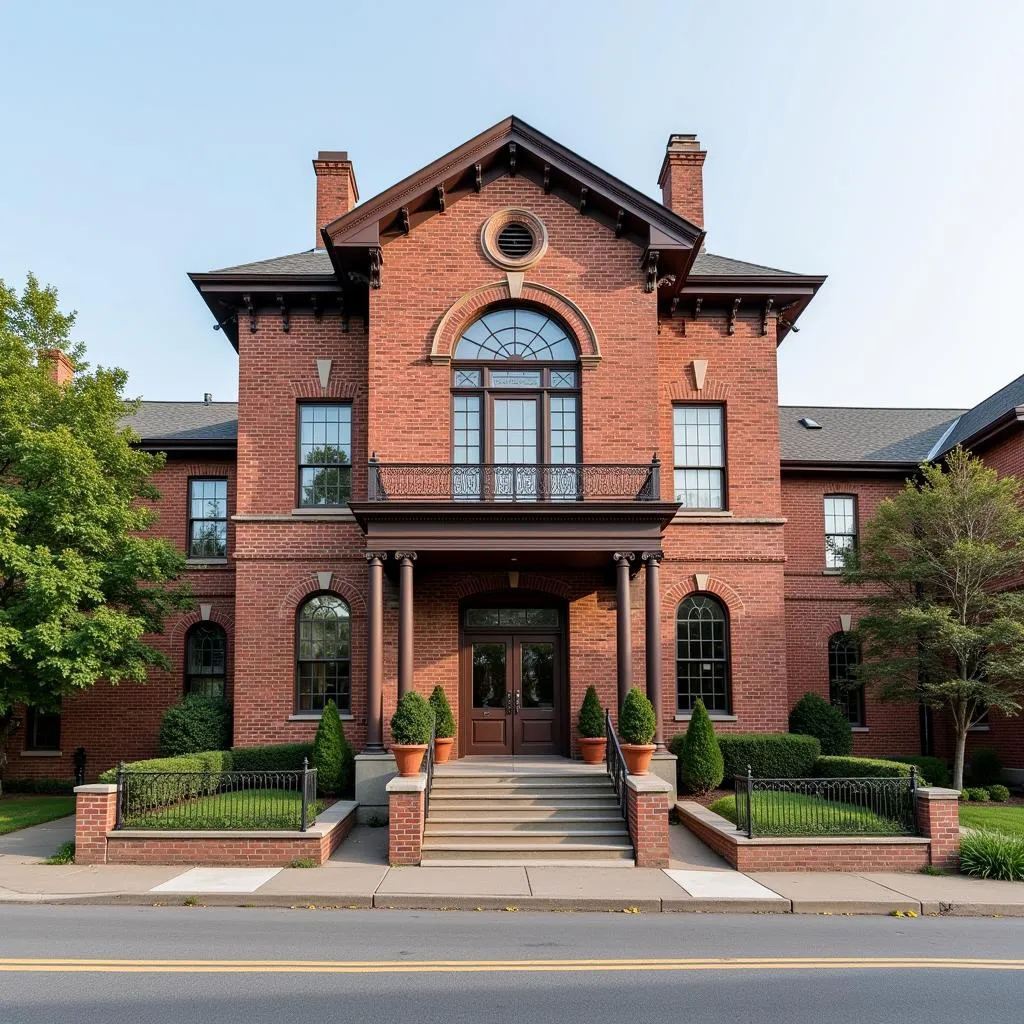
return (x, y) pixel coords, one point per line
(1009, 820)
(797, 814)
(244, 809)
(17, 811)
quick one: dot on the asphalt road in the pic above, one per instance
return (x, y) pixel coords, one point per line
(497, 971)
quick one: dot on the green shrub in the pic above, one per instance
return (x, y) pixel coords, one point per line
(932, 771)
(861, 768)
(998, 793)
(986, 767)
(331, 753)
(771, 755)
(194, 725)
(992, 855)
(203, 779)
(814, 716)
(977, 794)
(444, 720)
(65, 854)
(412, 721)
(277, 757)
(591, 720)
(48, 787)
(636, 719)
(701, 766)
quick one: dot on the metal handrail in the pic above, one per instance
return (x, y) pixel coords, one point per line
(428, 768)
(615, 762)
(513, 482)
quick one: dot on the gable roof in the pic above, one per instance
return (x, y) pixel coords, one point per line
(1003, 409)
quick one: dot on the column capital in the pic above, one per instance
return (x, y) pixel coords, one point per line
(653, 556)
(623, 556)
(379, 556)
(405, 556)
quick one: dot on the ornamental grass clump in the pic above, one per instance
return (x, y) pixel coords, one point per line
(992, 855)
(591, 720)
(412, 721)
(444, 727)
(636, 720)
(701, 765)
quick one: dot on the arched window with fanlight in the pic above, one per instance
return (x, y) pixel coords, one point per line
(702, 654)
(206, 658)
(515, 407)
(843, 688)
(323, 654)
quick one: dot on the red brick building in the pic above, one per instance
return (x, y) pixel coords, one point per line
(509, 428)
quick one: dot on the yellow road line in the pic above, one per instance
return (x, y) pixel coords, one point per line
(75, 965)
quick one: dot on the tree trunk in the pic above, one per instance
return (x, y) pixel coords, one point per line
(958, 759)
(7, 724)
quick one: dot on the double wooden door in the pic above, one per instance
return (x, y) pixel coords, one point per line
(512, 693)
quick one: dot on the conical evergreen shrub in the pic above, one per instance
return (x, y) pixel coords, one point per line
(701, 766)
(329, 752)
(591, 720)
(444, 720)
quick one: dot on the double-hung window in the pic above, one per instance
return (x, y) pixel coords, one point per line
(699, 456)
(207, 517)
(325, 454)
(840, 528)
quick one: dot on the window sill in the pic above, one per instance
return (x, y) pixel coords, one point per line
(206, 561)
(42, 753)
(322, 510)
(685, 716)
(859, 728)
(979, 728)
(315, 716)
(831, 572)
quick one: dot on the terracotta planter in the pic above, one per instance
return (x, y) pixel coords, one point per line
(409, 757)
(442, 749)
(638, 757)
(593, 749)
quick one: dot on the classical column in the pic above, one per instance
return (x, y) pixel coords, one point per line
(375, 653)
(652, 618)
(623, 633)
(405, 620)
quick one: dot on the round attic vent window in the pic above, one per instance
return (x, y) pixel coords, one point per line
(514, 239)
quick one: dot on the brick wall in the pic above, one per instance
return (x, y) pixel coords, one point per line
(647, 817)
(405, 828)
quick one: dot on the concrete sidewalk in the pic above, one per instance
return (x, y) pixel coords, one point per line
(358, 877)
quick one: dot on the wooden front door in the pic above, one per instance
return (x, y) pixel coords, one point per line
(512, 693)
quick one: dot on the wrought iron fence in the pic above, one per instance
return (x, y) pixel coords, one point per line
(514, 483)
(826, 807)
(217, 800)
(615, 762)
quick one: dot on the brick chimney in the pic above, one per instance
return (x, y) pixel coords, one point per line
(61, 369)
(682, 178)
(336, 191)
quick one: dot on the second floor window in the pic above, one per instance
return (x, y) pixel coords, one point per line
(208, 517)
(840, 529)
(325, 454)
(699, 456)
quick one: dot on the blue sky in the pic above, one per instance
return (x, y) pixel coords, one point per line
(875, 142)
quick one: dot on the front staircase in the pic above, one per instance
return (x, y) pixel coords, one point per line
(552, 812)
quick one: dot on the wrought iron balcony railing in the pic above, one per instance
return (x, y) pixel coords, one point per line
(487, 482)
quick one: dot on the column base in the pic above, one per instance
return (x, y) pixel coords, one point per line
(664, 765)
(374, 770)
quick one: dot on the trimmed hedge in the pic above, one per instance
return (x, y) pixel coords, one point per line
(205, 769)
(277, 757)
(812, 715)
(771, 755)
(933, 769)
(986, 767)
(47, 787)
(862, 768)
(977, 794)
(195, 725)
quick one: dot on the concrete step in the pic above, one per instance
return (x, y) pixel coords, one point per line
(532, 815)
(554, 836)
(539, 782)
(552, 796)
(504, 851)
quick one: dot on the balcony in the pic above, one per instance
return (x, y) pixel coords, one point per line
(530, 484)
(495, 516)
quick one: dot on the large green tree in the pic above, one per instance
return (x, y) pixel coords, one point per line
(81, 579)
(945, 625)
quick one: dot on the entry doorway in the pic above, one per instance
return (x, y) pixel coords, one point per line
(512, 691)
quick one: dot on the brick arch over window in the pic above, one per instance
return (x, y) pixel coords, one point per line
(713, 391)
(291, 600)
(222, 617)
(465, 310)
(471, 586)
(678, 592)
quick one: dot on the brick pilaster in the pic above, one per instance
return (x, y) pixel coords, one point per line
(647, 813)
(938, 818)
(405, 819)
(95, 816)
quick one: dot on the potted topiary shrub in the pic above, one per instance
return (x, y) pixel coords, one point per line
(593, 741)
(410, 732)
(636, 730)
(444, 725)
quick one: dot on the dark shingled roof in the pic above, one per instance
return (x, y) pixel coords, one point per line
(182, 422)
(861, 435)
(987, 412)
(316, 261)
